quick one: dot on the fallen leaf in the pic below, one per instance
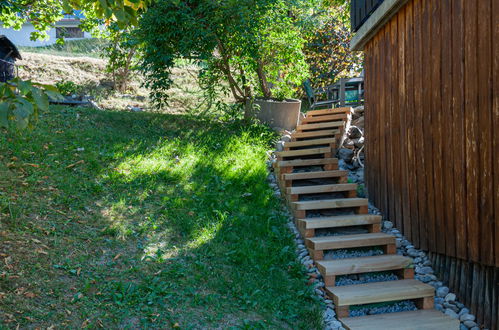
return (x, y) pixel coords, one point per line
(117, 256)
(32, 165)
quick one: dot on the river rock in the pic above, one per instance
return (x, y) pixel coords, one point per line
(467, 317)
(450, 297)
(442, 291)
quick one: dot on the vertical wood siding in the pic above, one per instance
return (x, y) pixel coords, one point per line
(432, 126)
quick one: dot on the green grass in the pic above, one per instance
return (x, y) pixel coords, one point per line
(161, 221)
(85, 47)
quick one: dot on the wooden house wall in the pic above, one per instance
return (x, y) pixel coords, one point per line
(432, 126)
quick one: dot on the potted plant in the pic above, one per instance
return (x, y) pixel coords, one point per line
(253, 49)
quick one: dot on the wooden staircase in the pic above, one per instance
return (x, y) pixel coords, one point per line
(330, 217)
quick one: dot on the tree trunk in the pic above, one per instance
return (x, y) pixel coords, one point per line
(263, 81)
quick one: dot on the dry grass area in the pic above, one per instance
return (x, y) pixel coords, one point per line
(89, 74)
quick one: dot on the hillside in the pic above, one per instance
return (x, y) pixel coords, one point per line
(89, 74)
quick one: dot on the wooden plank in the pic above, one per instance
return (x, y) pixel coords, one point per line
(303, 152)
(379, 292)
(314, 113)
(325, 188)
(398, 184)
(495, 122)
(306, 162)
(315, 175)
(329, 204)
(471, 128)
(349, 241)
(310, 127)
(340, 221)
(308, 143)
(428, 213)
(486, 128)
(425, 319)
(390, 193)
(458, 128)
(436, 98)
(415, 163)
(314, 134)
(319, 119)
(402, 113)
(381, 126)
(363, 264)
(447, 141)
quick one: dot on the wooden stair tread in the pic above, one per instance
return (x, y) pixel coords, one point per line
(330, 203)
(329, 117)
(340, 221)
(315, 175)
(321, 188)
(321, 112)
(331, 124)
(369, 293)
(303, 152)
(425, 319)
(349, 241)
(363, 264)
(307, 143)
(306, 162)
(325, 132)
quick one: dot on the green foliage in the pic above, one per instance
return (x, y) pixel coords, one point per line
(67, 87)
(328, 45)
(21, 100)
(123, 54)
(250, 48)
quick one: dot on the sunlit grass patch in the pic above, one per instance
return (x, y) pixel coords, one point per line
(160, 220)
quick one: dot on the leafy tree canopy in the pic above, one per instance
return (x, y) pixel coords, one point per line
(253, 46)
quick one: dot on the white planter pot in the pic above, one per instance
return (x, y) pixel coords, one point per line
(279, 114)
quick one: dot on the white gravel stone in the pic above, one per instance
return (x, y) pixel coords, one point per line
(442, 291)
(450, 297)
(467, 317)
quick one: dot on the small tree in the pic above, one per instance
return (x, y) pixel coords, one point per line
(252, 47)
(123, 55)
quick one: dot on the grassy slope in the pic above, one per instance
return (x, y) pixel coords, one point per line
(162, 221)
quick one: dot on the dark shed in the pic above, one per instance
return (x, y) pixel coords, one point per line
(8, 55)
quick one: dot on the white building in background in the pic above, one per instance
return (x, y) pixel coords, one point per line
(66, 27)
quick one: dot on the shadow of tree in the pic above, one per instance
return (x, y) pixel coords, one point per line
(151, 219)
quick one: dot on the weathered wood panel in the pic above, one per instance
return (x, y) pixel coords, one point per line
(432, 126)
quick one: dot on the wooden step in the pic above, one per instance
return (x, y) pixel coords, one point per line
(320, 126)
(319, 119)
(305, 162)
(369, 293)
(308, 226)
(330, 204)
(308, 143)
(329, 269)
(317, 245)
(303, 152)
(325, 188)
(315, 175)
(359, 205)
(316, 134)
(349, 241)
(323, 112)
(426, 319)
